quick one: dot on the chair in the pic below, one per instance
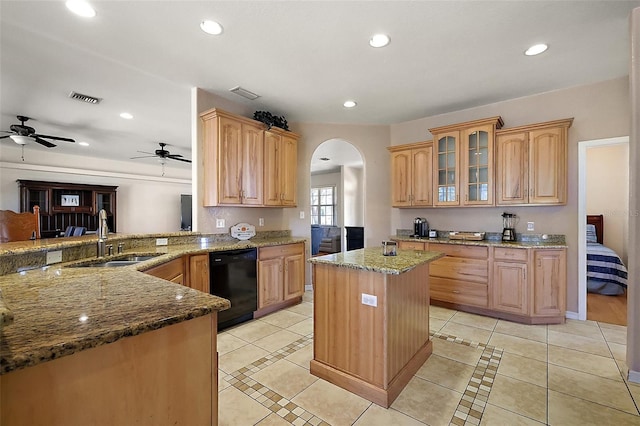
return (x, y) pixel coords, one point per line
(19, 226)
(69, 231)
(79, 230)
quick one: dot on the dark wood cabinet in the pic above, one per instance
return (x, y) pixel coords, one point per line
(68, 204)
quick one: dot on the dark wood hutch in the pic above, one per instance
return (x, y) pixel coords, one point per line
(68, 204)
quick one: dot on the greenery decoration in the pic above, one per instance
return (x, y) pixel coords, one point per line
(271, 120)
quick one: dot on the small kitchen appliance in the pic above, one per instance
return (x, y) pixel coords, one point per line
(509, 221)
(420, 227)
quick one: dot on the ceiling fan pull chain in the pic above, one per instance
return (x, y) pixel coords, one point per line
(22, 155)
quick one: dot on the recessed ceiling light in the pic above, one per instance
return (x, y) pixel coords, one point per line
(349, 104)
(211, 27)
(536, 49)
(83, 143)
(126, 115)
(81, 8)
(379, 40)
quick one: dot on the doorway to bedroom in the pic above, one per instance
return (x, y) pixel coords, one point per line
(603, 204)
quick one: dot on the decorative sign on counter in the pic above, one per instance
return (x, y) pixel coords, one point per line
(243, 231)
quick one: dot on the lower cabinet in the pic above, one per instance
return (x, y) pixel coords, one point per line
(172, 270)
(549, 282)
(280, 274)
(190, 270)
(509, 287)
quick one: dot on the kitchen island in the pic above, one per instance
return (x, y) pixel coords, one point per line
(371, 320)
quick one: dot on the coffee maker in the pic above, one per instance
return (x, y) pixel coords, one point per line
(509, 221)
(420, 227)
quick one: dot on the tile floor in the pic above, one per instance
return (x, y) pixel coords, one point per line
(483, 371)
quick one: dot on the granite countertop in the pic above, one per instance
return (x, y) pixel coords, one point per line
(553, 243)
(371, 259)
(53, 311)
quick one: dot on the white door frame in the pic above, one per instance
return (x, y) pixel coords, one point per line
(582, 216)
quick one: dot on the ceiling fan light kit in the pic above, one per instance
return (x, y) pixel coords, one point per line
(21, 140)
(22, 134)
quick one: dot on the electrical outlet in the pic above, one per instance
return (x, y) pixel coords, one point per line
(261, 221)
(219, 223)
(302, 214)
(530, 226)
(369, 299)
(54, 257)
(162, 241)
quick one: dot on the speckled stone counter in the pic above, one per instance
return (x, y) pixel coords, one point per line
(552, 243)
(371, 259)
(58, 310)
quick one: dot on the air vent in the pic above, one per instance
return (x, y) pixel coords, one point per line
(85, 98)
(244, 93)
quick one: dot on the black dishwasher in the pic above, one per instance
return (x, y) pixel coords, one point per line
(233, 276)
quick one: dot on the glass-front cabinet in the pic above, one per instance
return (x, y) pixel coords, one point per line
(478, 166)
(447, 186)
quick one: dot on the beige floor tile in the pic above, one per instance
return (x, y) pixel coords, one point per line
(613, 326)
(283, 319)
(612, 393)
(585, 362)
(427, 402)
(307, 296)
(525, 369)
(619, 351)
(579, 343)
(466, 332)
(457, 352)
(302, 357)
(525, 331)
(378, 416)
(222, 383)
(236, 408)
(304, 308)
(273, 420)
(435, 324)
(334, 405)
(519, 346)
(615, 335)
(446, 372)
(494, 415)
(519, 397)
(277, 340)
(567, 410)
(232, 361)
(634, 388)
(588, 329)
(441, 313)
(303, 328)
(227, 342)
(285, 377)
(474, 320)
(253, 330)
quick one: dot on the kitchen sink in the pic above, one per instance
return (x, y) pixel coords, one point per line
(114, 263)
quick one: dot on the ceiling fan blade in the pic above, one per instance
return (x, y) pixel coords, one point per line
(143, 156)
(2, 137)
(171, 157)
(43, 142)
(174, 155)
(55, 138)
(145, 152)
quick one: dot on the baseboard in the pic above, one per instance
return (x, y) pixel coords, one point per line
(572, 315)
(634, 376)
(308, 287)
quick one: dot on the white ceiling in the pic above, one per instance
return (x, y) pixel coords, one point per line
(303, 57)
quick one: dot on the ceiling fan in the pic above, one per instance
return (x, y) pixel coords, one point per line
(162, 154)
(22, 134)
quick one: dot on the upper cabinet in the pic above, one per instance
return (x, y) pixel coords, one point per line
(412, 175)
(531, 164)
(463, 162)
(243, 162)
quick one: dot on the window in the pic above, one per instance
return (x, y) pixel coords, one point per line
(323, 205)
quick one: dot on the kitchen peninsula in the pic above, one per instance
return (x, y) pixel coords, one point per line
(371, 320)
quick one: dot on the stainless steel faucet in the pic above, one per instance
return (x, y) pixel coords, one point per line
(103, 232)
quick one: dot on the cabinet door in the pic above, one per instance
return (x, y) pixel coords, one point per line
(293, 276)
(270, 281)
(447, 170)
(272, 194)
(421, 176)
(477, 165)
(171, 271)
(549, 282)
(509, 287)
(199, 272)
(410, 245)
(512, 174)
(401, 169)
(288, 171)
(229, 161)
(252, 165)
(547, 166)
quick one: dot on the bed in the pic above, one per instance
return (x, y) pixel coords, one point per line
(606, 273)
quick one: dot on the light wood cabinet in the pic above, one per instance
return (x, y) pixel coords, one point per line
(172, 270)
(549, 282)
(410, 245)
(280, 275)
(412, 175)
(446, 168)
(509, 286)
(197, 272)
(280, 168)
(531, 164)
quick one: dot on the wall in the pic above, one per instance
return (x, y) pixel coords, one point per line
(353, 196)
(608, 193)
(146, 202)
(600, 111)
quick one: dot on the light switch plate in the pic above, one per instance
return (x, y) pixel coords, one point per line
(369, 299)
(54, 257)
(162, 241)
(261, 221)
(219, 223)
(302, 214)
(530, 226)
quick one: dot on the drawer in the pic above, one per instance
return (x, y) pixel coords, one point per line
(410, 245)
(501, 253)
(465, 293)
(280, 251)
(459, 250)
(475, 270)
